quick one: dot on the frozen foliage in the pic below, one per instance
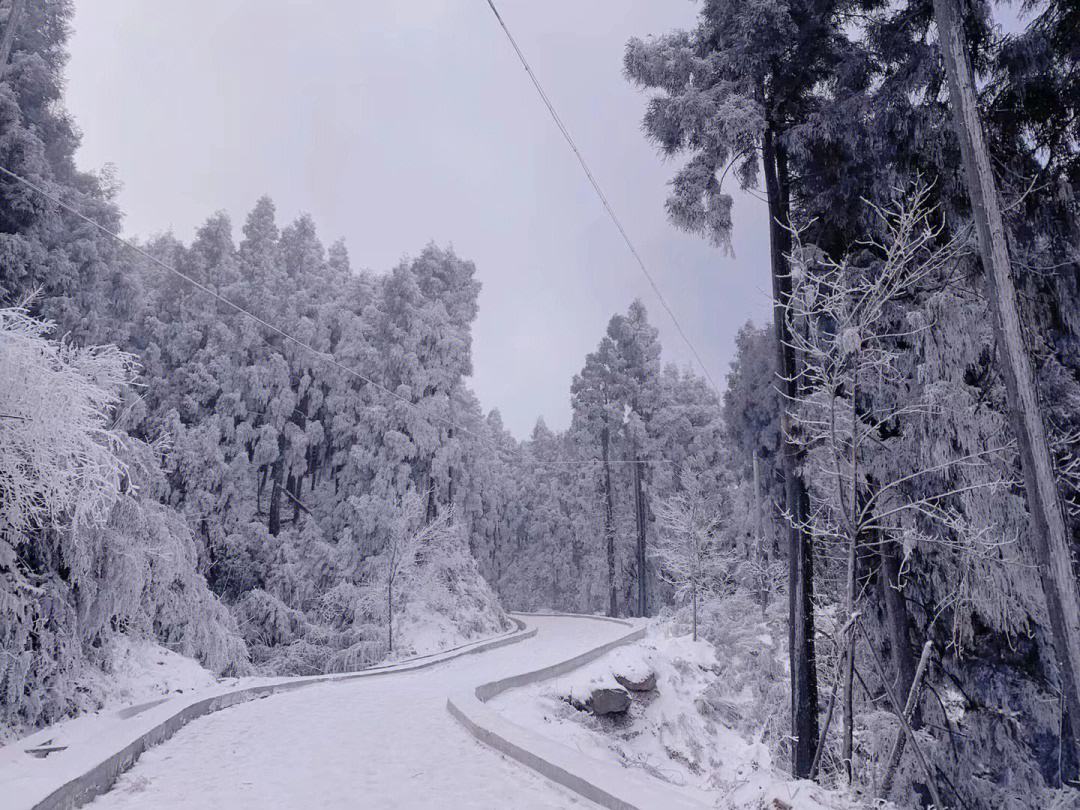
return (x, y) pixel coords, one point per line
(579, 528)
(686, 548)
(283, 473)
(86, 551)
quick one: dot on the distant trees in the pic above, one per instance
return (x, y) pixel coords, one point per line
(627, 409)
(580, 521)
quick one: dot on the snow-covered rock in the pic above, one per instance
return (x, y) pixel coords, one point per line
(646, 684)
(608, 701)
(631, 670)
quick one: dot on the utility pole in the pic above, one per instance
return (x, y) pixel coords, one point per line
(1047, 517)
(10, 29)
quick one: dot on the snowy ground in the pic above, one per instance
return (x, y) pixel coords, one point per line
(136, 671)
(141, 670)
(385, 742)
(665, 732)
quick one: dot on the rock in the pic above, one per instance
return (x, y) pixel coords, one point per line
(608, 701)
(646, 684)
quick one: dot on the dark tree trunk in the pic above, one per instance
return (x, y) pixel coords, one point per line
(263, 473)
(639, 508)
(450, 471)
(292, 486)
(390, 616)
(609, 521)
(897, 623)
(1048, 533)
(10, 30)
(277, 473)
(804, 693)
(431, 510)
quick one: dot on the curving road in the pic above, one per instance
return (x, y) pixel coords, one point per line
(382, 742)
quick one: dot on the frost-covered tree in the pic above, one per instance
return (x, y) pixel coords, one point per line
(856, 401)
(397, 565)
(59, 465)
(687, 549)
(85, 548)
(737, 84)
(637, 374)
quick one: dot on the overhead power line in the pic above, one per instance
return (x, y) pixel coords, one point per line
(599, 193)
(327, 358)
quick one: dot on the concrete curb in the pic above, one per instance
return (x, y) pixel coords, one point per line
(80, 789)
(606, 783)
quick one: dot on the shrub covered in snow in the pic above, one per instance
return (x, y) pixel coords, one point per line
(750, 692)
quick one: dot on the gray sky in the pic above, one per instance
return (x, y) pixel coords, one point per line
(397, 123)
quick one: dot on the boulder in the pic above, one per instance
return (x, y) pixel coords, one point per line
(608, 701)
(637, 684)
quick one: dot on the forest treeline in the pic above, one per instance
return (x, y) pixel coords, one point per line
(860, 498)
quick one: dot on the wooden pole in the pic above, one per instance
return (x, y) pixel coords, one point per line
(909, 710)
(923, 762)
(1048, 521)
(10, 30)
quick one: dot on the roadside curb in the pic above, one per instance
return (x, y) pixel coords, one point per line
(606, 783)
(76, 790)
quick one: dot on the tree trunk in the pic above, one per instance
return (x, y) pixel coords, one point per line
(292, 488)
(1049, 531)
(390, 615)
(847, 741)
(911, 708)
(897, 622)
(759, 543)
(693, 610)
(10, 30)
(639, 509)
(609, 521)
(277, 473)
(804, 698)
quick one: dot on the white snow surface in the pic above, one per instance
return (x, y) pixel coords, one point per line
(385, 741)
(136, 670)
(663, 733)
(140, 670)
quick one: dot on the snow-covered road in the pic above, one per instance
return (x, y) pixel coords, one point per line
(383, 742)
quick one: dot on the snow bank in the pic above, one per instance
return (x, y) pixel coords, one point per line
(454, 605)
(138, 670)
(134, 671)
(671, 732)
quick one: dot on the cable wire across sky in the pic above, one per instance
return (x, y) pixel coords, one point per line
(329, 359)
(596, 187)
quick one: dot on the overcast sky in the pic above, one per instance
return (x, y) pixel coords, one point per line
(397, 123)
